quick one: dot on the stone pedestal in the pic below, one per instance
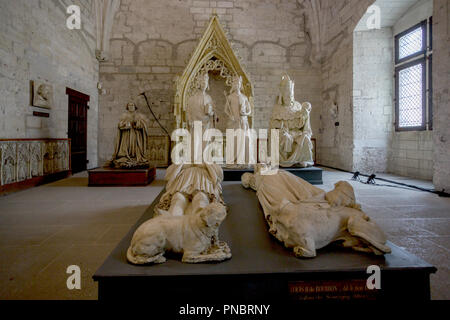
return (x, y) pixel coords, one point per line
(261, 269)
(121, 177)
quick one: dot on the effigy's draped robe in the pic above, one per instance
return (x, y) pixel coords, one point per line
(295, 210)
(191, 178)
(272, 189)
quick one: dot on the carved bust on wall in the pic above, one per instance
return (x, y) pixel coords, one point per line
(130, 150)
(42, 95)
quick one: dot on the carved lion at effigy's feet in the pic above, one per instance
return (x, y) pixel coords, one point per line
(193, 235)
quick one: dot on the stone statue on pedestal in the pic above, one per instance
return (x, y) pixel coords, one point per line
(293, 120)
(130, 150)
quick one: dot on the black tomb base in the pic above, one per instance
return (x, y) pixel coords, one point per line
(261, 269)
(311, 174)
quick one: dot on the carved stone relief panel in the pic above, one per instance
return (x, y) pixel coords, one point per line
(9, 163)
(48, 157)
(158, 151)
(36, 162)
(62, 159)
(23, 161)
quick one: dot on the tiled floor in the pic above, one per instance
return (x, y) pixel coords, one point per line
(45, 229)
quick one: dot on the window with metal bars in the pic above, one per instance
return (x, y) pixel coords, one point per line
(413, 103)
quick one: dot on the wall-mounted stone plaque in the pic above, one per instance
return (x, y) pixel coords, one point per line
(42, 94)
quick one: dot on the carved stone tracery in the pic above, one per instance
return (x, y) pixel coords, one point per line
(213, 53)
(36, 159)
(21, 160)
(8, 163)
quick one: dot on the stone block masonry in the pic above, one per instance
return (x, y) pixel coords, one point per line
(441, 85)
(35, 44)
(152, 41)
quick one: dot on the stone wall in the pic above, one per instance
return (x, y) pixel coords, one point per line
(441, 85)
(343, 146)
(152, 40)
(335, 138)
(412, 152)
(372, 99)
(35, 44)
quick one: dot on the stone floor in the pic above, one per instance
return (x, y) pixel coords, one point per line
(45, 229)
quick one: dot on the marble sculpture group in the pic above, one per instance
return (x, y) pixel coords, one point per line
(188, 215)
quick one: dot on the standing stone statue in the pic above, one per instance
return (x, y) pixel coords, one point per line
(130, 149)
(238, 109)
(237, 106)
(200, 106)
(292, 118)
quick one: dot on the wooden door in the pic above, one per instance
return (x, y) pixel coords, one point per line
(77, 129)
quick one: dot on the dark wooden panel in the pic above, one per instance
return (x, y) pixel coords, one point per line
(41, 114)
(77, 129)
(119, 177)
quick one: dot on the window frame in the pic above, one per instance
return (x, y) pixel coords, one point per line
(423, 126)
(430, 92)
(423, 24)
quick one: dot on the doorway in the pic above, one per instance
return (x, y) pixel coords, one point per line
(77, 129)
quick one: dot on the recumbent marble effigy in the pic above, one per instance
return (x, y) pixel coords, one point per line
(306, 218)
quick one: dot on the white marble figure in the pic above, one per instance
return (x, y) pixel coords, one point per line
(306, 218)
(237, 106)
(42, 95)
(190, 187)
(187, 218)
(192, 235)
(292, 118)
(200, 106)
(238, 109)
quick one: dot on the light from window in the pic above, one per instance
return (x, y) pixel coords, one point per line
(410, 43)
(410, 96)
